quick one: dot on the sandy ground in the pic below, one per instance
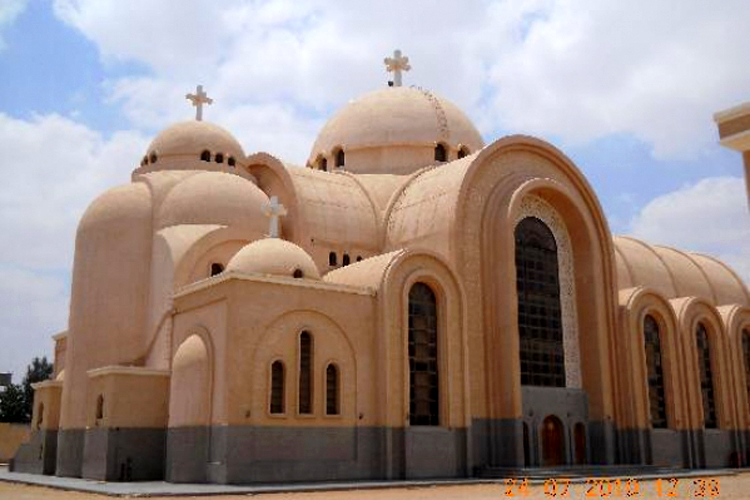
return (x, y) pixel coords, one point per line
(723, 487)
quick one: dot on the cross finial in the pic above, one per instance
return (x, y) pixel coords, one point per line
(274, 211)
(396, 65)
(199, 99)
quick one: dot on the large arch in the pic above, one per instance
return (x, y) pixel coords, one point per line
(190, 401)
(494, 189)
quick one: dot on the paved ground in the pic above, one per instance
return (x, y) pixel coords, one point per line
(727, 487)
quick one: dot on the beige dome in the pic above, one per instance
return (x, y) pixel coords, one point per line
(274, 256)
(215, 198)
(189, 139)
(396, 117)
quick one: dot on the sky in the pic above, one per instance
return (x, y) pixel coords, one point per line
(626, 89)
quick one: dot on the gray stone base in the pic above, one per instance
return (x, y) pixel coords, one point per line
(39, 455)
(69, 452)
(246, 455)
(123, 454)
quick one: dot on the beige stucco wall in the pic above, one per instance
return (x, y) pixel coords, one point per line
(132, 397)
(11, 437)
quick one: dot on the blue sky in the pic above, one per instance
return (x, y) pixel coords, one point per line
(626, 89)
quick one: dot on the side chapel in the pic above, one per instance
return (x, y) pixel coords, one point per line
(414, 303)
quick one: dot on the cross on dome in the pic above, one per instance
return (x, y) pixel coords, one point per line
(396, 65)
(199, 99)
(274, 211)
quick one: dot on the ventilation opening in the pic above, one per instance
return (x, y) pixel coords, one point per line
(440, 153)
(359, 258)
(219, 158)
(298, 273)
(463, 152)
(216, 268)
(340, 158)
(100, 407)
(206, 155)
(231, 161)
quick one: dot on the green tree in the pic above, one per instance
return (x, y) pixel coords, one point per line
(16, 402)
(13, 404)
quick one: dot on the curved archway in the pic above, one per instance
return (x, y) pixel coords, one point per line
(553, 442)
(189, 392)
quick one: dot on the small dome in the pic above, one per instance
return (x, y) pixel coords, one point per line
(276, 257)
(215, 198)
(189, 140)
(397, 117)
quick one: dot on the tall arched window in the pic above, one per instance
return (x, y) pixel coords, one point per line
(706, 377)
(100, 407)
(305, 373)
(332, 390)
(424, 390)
(746, 358)
(346, 260)
(323, 164)
(440, 153)
(277, 387)
(539, 312)
(655, 371)
(340, 158)
(332, 259)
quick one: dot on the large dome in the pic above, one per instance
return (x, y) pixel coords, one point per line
(187, 141)
(398, 120)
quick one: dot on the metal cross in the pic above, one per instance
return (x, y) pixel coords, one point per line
(274, 210)
(199, 99)
(396, 65)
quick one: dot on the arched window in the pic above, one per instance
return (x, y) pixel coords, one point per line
(144, 161)
(100, 407)
(332, 259)
(746, 358)
(216, 268)
(323, 162)
(153, 157)
(340, 158)
(706, 377)
(332, 390)
(305, 373)
(39, 415)
(463, 152)
(424, 390)
(206, 155)
(346, 260)
(298, 273)
(359, 258)
(539, 311)
(440, 153)
(219, 158)
(655, 372)
(277, 387)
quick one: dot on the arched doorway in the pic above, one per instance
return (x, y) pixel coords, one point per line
(579, 437)
(553, 442)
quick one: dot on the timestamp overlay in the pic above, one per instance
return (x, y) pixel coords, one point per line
(599, 487)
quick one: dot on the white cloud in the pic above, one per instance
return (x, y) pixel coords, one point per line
(52, 169)
(577, 70)
(710, 217)
(9, 12)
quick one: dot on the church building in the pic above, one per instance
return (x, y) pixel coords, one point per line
(412, 303)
